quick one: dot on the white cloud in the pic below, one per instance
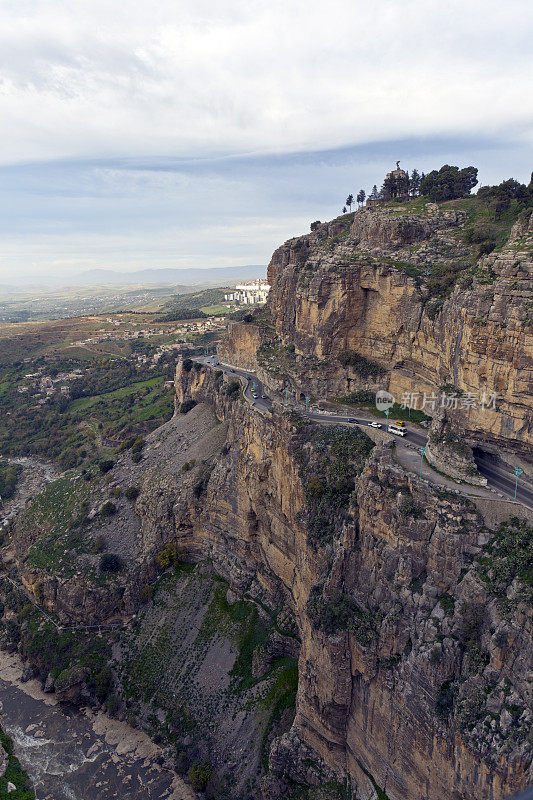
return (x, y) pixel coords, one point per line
(94, 78)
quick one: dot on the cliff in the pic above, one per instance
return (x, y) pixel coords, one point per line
(410, 619)
(290, 605)
(408, 664)
(407, 290)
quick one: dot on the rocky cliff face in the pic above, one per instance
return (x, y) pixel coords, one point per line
(408, 670)
(411, 620)
(377, 285)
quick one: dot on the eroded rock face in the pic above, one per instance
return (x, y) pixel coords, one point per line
(352, 288)
(408, 693)
(414, 656)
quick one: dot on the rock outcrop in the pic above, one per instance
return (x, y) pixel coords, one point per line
(378, 283)
(406, 660)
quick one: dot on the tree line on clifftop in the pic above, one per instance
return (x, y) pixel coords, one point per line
(446, 183)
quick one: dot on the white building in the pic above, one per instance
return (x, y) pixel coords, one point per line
(251, 294)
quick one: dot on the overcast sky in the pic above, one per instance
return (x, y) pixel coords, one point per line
(193, 133)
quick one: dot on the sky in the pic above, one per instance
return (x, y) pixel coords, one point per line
(192, 133)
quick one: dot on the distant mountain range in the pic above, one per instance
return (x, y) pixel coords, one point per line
(171, 276)
(151, 277)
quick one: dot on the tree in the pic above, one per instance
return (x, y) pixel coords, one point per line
(315, 224)
(110, 562)
(414, 183)
(361, 196)
(448, 183)
(350, 201)
(394, 187)
(497, 199)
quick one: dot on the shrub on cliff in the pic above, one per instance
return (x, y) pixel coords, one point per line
(338, 612)
(199, 775)
(507, 561)
(186, 406)
(108, 509)
(132, 492)
(110, 562)
(233, 389)
(330, 460)
(105, 465)
(361, 365)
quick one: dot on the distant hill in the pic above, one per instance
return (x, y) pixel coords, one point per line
(213, 275)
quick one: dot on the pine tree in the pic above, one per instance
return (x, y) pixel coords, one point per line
(414, 183)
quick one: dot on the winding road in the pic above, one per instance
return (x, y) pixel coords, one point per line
(497, 479)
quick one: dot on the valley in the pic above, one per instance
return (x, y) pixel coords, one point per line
(245, 556)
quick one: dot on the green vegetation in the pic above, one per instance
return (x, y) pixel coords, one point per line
(360, 364)
(330, 460)
(448, 183)
(108, 509)
(507, 557)
(410, 509)
(449, 438)
(328, 790)
(61, 650)
(365, 398)
(199, 774)
(14, 774)
(360, 397)
(447, 603)
(233, 389)
(58, 514)
(9, 475)
(187, 405)
(445, 699)
(192, 302)
(110, 562)
(339, 612)
(73, 433)
(182, 313)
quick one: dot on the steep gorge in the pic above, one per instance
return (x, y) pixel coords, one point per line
(410, 615)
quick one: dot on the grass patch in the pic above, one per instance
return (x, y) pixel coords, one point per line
(14, 774)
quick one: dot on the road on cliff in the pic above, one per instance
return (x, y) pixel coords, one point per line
(496, 477)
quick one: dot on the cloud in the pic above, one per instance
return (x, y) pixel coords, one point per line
(95, 78)
(187, 132)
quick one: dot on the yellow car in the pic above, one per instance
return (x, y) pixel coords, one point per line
(399, 422)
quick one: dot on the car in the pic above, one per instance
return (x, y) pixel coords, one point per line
(352, 419)
(375, 424)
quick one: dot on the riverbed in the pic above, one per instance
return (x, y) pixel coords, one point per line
(73, 755)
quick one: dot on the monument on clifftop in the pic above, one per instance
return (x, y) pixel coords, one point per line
(395, 187)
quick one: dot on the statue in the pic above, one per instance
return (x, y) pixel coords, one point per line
(398, 165)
